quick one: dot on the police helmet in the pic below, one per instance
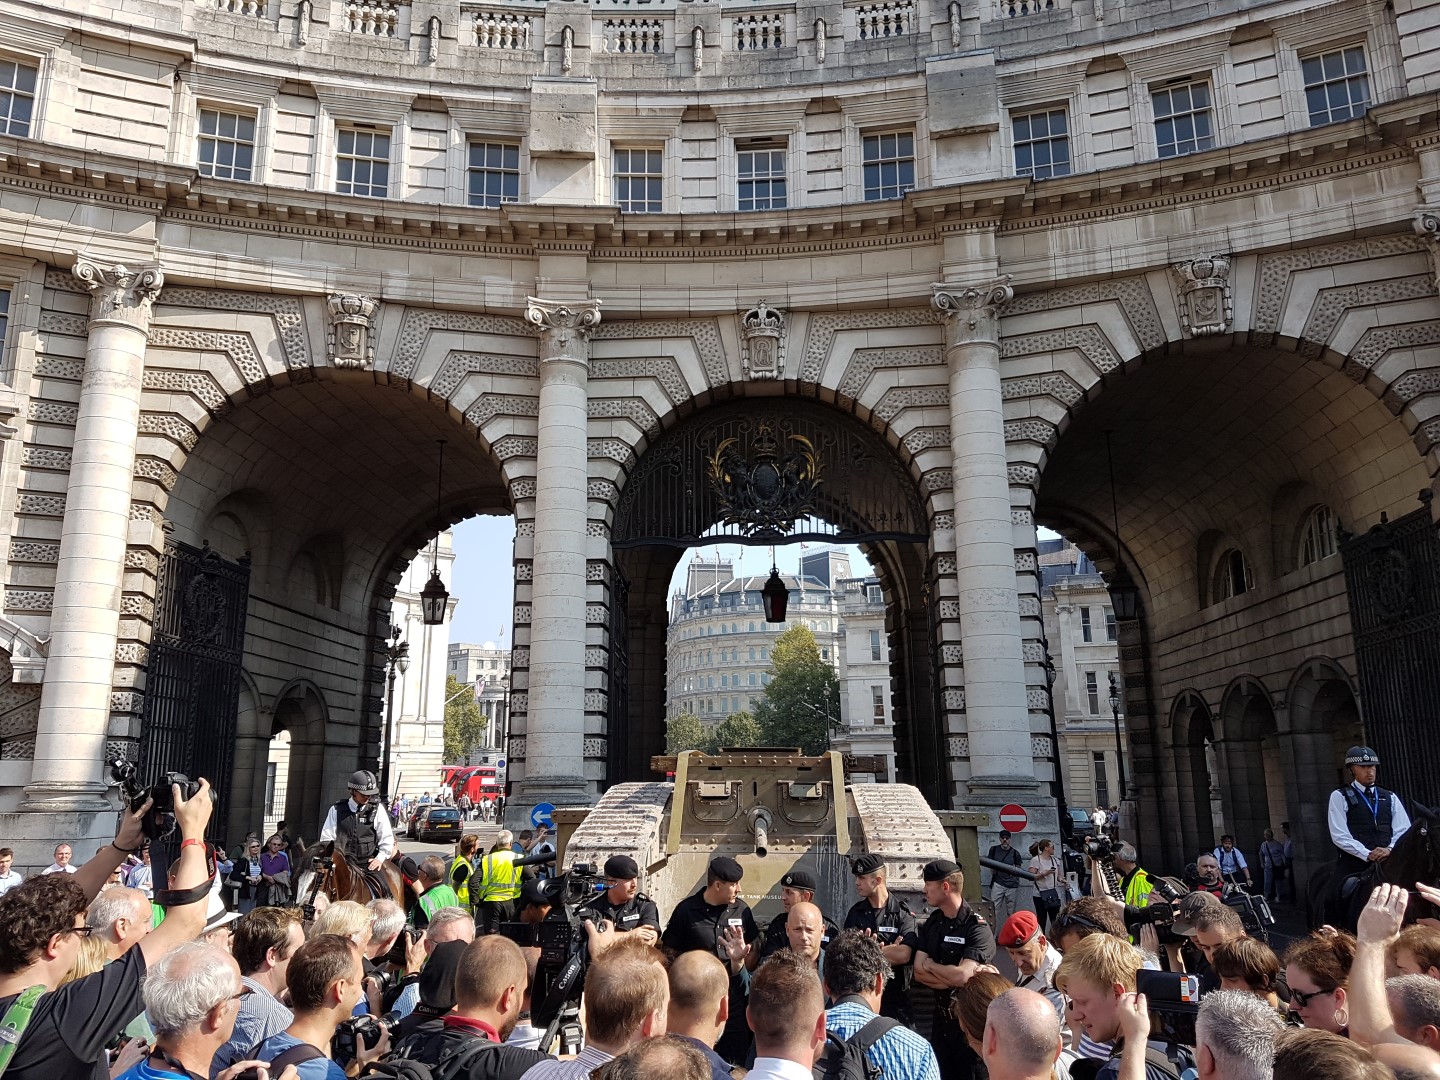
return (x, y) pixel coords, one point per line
(364, 783)
(1361, 755)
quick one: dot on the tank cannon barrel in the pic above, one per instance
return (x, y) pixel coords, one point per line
(1006, 868)
(760, 829)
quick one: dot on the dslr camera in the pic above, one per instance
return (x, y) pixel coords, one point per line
(358, 1032)
(160, 819)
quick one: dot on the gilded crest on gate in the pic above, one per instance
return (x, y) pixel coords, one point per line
(766, 491)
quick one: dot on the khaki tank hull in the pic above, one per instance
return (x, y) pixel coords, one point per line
(771, 810)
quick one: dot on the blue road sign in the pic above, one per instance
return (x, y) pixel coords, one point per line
(540, 815)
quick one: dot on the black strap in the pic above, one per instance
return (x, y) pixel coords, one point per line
(457, 1064)
(872, 1032)
(294, 1056)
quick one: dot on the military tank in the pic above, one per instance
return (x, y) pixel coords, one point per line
(771, 809)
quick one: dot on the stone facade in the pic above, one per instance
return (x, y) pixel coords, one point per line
(487, 668)
(1210, 233)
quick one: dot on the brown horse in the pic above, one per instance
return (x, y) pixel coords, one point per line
(338, 878)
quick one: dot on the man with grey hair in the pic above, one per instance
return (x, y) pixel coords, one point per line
(120, 917)
(192, 994)
(1134, 882)
(387, 922)
(1022, 1037)
(1235, 1036)
(447, 924)
(1415, 1005)
(495, 885)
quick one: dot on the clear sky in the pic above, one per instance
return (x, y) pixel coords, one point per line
(484, 582)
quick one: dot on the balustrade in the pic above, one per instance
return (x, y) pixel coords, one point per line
(633, 36)
(895, 18)
(765, 30)
(373, 18)
(502, 30)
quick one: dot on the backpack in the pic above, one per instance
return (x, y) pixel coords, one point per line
(454, 1063)
(844, 1059)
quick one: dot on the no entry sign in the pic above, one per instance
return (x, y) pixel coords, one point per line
(1013, 818)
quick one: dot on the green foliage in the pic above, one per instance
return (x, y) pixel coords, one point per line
(802, 694)
(464, 722)
(684, 732)
(737, 729)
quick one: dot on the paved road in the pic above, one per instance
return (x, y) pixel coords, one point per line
(416, 850)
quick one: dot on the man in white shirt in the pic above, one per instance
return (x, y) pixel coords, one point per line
(8, 878)
(1366, 822)
(787, 1015)
(61, 865)
(1036, 960)
(359, 825)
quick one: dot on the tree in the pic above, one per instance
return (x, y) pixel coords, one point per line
(803, 698)
(737, 729)
(684, 732)
(464, 722)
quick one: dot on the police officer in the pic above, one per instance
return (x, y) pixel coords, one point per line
(623, 904)
(885, 915)
(359, 825)
(796, 887)
(1366, 822)
(949, 948)
(717, 920)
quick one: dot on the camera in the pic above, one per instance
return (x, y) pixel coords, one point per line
(1099, 847)
(1174, 999)
(160, 818)
(396, 955)
(360, 1032)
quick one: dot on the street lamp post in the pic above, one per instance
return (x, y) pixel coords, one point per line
(831, 722)
(397, 660)
(1058, 786)
(1119, 744)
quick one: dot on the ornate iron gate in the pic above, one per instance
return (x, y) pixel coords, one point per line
(618, 701)
(1392, 574)
(192, 679)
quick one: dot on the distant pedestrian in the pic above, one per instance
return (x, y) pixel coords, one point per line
(1232, 864)
(1004, 887)
(1101, 820)
(1289, 843)
(140, 876)
(1273, 865)
(8, 877)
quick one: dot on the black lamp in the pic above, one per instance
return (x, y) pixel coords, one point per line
(1124, 595)
(434, 597)
(774, 598)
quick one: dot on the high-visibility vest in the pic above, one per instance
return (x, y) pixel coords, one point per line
(462, 890)
(499, 877)
(433, 899)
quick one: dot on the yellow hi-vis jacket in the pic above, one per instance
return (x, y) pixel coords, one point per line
(499, 877)
(462, 891)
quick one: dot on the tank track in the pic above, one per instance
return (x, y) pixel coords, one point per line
(895, 821)
(626, 821)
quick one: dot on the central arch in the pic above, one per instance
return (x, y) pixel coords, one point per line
(709, 479)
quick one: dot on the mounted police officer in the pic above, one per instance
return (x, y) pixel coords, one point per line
(359, 825)
(622, 902)
(1366, 821)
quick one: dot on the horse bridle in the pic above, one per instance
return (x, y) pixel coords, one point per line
(324, 867)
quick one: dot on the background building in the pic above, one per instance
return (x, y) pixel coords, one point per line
(487, 668)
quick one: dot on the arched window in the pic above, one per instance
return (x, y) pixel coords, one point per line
(1232, 576)
(752, 630)
(752, 647)
(734, 628)
(1319, 538)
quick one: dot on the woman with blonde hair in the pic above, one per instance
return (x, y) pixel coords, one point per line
(347, 919)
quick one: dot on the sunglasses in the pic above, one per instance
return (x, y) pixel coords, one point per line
(1070, 922)
(1299, 997)
(83, 931)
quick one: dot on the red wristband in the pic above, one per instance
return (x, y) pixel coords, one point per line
(186, 843)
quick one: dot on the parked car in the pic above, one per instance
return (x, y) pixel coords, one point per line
(435, 823)
(1083, 826)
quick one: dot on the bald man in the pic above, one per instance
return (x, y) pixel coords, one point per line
(1022, 1037)
(700, 1005)
(805, 928)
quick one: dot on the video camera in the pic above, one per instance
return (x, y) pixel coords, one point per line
(160, 819)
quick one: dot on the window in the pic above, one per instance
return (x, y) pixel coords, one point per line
(1092, 692)
(4, 317)
(877, 703)
(362, 162)
(752, 647)
(1102, 782)
(874, 644)
(1319, 538)
(724, 681)
(1336, 85)
(1109, 624)
(1184, 118)
(1086, 633)
(227, 145)
(1232, 576)
(1042, 144)
(17, 98)
(752, 678)
(888, 162)
(734, 704)
(762, 178)
(873, 594)
(824, 654)
(494, 174)
(764, 652)
(639, 181)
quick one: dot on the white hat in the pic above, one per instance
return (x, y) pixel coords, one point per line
(215, 914)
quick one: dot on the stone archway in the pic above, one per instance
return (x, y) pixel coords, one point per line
(317, 768)
(1251, 779)
(704, 481)
(1325, 720)
(1192, 753)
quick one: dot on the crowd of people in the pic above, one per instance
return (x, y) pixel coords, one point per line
(100, 978)
(487, 808)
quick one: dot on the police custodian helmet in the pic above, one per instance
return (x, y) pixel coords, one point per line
(364, 782)
(1361, 755)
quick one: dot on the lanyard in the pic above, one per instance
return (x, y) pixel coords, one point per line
(1373, 802)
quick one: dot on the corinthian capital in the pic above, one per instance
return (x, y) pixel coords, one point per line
(972, 312)
(119, 294)
(562, 326)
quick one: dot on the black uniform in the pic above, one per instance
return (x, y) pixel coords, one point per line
(355, 832)
(892, 924)
(694, 924)
(636, 912)
(952, 941)
(776, 938)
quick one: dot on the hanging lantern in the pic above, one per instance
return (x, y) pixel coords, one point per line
(775, 597)
(1124, 596)
(433, 600)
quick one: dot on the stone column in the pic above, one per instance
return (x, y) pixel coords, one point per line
(67, 774)
(996, 705)
(555, 722)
